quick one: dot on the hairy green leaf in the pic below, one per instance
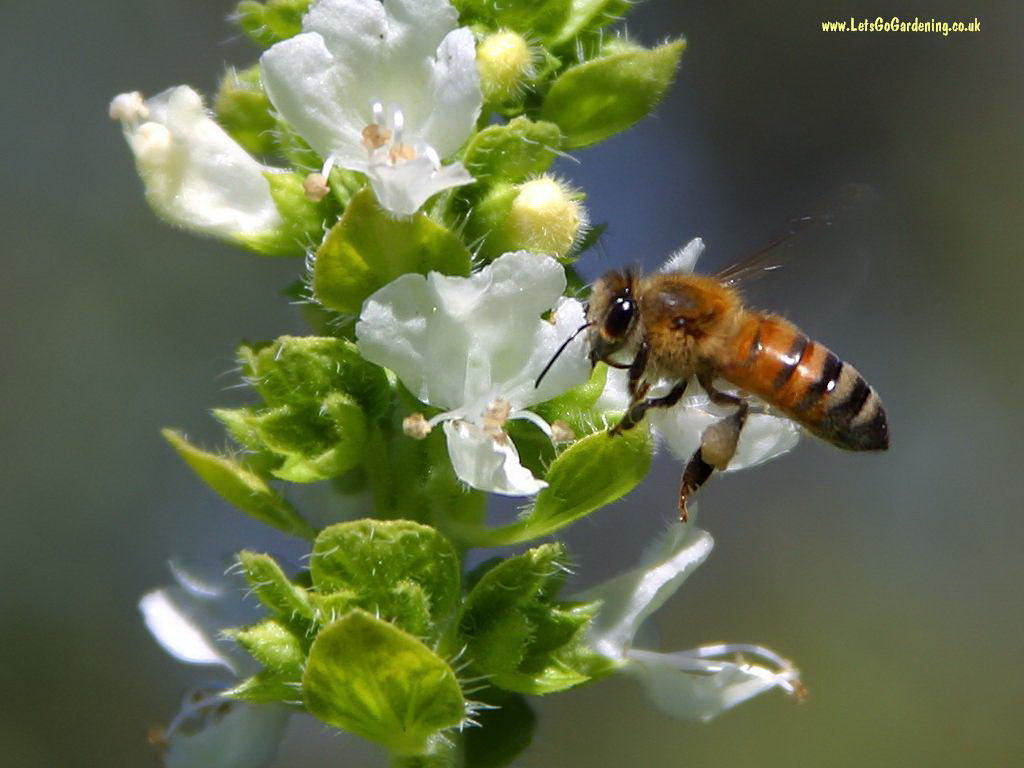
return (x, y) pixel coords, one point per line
(517, 635)
(541, 18)
(367, 676)
(589, 16)
(369, 248)
(579, 482)
(513, 151)
(241, 487)
(403, 571)
(244, 110)
(287, 601)
(608, 94)
(274, 646)
(506, 729)
(271, 21)
(307, 369)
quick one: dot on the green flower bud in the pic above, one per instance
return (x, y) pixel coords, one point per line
(271, 21)
(543, 214)
(506, 64)
(244, 111)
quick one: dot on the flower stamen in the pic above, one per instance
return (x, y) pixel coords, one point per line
(376, 135)
(495, 416)
(416, 426)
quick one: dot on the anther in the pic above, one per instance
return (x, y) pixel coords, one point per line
(495, 416)
(315, 187)
(416, 426)
(129, 107)
(375, 135)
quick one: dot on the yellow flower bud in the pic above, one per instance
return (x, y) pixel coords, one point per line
(546, 216)
(505, 63)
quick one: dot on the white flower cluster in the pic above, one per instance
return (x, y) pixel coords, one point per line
(696, 684)
(384, 89)
(474, 346)
(187, 620)
(390, 89)
(196, 176)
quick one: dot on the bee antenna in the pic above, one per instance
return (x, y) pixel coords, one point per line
(561, 349)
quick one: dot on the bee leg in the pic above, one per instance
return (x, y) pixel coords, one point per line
(717, 447)
(636, 372)
(716, 395)
(638, 408)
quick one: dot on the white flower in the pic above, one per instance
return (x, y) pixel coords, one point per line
(384, 89)
(765, 436)
(196, 175)
(696, 684)
(474, 347)
(212, 731)
(187, 620)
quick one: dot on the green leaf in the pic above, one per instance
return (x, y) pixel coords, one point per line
(506, 729)
(240, 487)
(513, 151)
(517, 635)
(589, 16)
(308, 369)
(273, 646)
(287, 601)
(603, 96)
(272, 21)
(303, 220)
(576, 406)
(579, 482)
(368, 677)
(244, 110)
(368, 249)
(266, 687)
(315, 444)
(403, 571)
(534, 17)
(295, 149)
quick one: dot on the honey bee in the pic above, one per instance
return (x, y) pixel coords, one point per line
(671, 327)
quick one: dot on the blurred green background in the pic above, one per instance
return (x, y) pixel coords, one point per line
(894, 581)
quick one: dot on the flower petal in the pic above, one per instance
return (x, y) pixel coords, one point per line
(195, 174)
(629, 598)
(763, 438)
(404, 188)
(419, 26)
(224, 733)
(319, 96)
(685, 259)
(488, 463)
(694, 685)
(171, 619)
(459, 343)
(187, 619)
(454, 92)
(572, 367)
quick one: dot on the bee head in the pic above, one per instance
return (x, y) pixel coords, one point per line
(612, 312)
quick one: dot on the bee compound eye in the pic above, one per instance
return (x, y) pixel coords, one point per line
(620, 315)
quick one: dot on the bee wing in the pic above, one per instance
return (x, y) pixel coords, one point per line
(777, 252)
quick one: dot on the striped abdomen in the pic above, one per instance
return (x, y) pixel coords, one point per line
(773, 360)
